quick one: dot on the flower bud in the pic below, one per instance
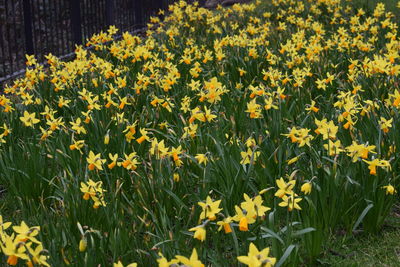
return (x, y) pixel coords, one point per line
(83, 244)
(306, 188)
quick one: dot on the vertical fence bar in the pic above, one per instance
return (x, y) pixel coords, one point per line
(102, 12)
(8, 38)
(85, 11)
(76, 21)
(95, 19)
(53, 25)
(38, 33)
(42, 18)
(110, 12)
(130, 17)
(90, 18)
(163, 5)
(3, 70)
(17, 35)
(132, 11)
(138, 9)
(28, 28)
(70, 44)
(35, 30)
(59, 25)
(158, 5)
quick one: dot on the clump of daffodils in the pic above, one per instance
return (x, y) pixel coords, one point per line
(285, 192)
(210, 209)
(93, 190)
(249, 211)
(22, 244)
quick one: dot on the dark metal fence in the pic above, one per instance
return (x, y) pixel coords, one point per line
(54, 26)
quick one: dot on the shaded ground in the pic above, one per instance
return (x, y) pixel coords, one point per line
(365, 249)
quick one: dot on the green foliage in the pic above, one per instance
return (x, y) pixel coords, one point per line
(219, 135)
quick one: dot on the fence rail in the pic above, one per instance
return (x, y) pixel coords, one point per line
(54, 26)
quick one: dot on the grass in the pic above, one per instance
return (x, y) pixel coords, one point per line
(363, 249)
(370, 4)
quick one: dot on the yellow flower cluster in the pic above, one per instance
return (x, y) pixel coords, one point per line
(22, 244)
(93, 190)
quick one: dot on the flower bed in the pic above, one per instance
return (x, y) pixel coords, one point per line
(244, 135)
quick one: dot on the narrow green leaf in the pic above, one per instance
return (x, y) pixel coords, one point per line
(285, 255)
(362, 215)
(303, 231)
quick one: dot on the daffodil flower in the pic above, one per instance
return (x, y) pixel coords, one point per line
(209, 209)
(257, 258)
(29, 119)
(95, 161)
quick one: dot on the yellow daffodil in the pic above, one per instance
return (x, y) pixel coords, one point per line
(244, 218)
(284, 188)
(290, 201)
(389, 189)
(29, 119)
(77, 127)
(95, 161)
(249, 156)
(372, 164)
(119, 264)
(201, 158)
(95, 191)
(254, 205)
(306, 188)
(144, 136)
(385, 124)
(226, 224)
(199, 232)
(209, 209)
(256, 258)
(193, 261)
